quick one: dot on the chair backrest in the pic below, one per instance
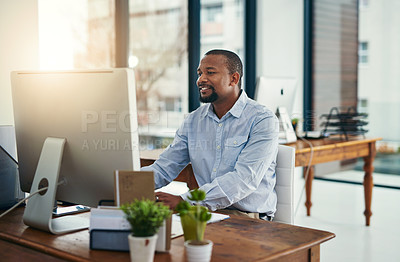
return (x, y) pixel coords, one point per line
(284, 184)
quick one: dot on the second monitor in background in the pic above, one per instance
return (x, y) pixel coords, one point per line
(278, 94)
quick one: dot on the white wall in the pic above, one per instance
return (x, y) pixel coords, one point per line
(18, 47)
(280, 42)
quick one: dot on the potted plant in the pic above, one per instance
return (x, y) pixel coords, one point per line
(145, 218)
(194, 220)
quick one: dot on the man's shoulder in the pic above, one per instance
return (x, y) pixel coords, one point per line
(197, 113)
(257, 109)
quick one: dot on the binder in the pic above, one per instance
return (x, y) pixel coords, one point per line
(109, 239)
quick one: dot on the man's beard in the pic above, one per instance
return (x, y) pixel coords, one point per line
(209, 99)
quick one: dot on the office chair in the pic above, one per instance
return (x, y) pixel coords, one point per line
(284, 184)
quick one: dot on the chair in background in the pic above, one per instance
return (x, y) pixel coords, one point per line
(284, 184)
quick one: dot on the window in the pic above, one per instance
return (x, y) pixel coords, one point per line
(81, 34)
(331, 69)
(222, 24)
(158, 52)
(378, 86)
(213, 13)
(363, 3)
(363, 53)
(76, 34)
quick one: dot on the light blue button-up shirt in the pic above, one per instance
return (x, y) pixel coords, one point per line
(233, 158)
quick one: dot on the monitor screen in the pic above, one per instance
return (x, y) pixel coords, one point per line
(95, 111)
(274, 92)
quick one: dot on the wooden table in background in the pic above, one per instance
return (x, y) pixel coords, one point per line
(335, 149)
(235, 239)
(324, 150)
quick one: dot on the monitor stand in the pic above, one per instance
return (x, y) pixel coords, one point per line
(39, 209)
(286, 131)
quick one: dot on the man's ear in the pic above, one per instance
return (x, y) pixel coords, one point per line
(235, 77)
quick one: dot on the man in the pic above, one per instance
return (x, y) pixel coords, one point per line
(231, 142)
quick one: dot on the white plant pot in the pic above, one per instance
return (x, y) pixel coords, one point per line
(198, 252)
(142, 248)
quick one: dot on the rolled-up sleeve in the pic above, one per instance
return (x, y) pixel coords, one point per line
(171, 162)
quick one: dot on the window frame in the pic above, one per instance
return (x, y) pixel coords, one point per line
(363, 53)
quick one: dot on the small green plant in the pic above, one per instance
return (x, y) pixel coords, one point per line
(193, 218)
(145, 216)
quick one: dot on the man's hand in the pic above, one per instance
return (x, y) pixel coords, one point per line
(170, 200)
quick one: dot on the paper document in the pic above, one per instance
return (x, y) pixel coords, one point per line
(177, 230)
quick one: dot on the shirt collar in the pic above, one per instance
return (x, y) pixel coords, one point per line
(239, 106)
(236, 109)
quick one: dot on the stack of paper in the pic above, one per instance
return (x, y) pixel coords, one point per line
(111, 218)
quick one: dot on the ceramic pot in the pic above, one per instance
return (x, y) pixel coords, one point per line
(198, 251)
(142, 248)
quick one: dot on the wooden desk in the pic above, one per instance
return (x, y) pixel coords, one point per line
(235, 239)
(335, 149)
(324, 150)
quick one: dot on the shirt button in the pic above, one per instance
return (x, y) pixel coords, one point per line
(218, 147)
(214, 170)
(220, 125)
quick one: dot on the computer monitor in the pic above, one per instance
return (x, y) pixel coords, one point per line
(278, 94)
(75, 128)
(274, 92)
